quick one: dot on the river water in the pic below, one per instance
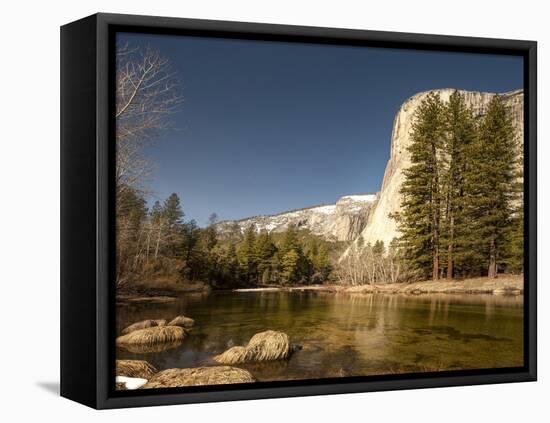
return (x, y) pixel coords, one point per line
(343, 334)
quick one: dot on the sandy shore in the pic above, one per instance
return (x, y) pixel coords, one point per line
(503, 285)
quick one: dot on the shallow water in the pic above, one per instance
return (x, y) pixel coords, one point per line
(342, 334)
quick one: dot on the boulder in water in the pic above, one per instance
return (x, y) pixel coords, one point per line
(153, 336)
(135, 368)
(264, 346)
(149, 323)
(183, 321)
(217, 375)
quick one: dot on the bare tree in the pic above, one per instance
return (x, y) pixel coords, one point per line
(367, 264)
(147, 93)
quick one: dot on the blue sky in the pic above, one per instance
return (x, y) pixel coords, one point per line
(271, 126)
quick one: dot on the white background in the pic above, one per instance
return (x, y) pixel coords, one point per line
(29, 239)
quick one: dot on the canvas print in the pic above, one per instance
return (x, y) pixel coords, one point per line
(298, 211)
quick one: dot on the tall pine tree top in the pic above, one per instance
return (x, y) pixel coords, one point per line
(172, 210)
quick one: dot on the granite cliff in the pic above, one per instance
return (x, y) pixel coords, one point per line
(379, 225)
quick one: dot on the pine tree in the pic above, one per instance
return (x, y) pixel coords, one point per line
(290, 272)
(231, 272)
(420, 217)
(172, 215)
(190, 235)
(172, 210)
(290, 240)
(490, 182)
(265, 249)
(156, 211)
(321, 263)
(247, 256)
(460, 134)
(210, 235)
(515, 251)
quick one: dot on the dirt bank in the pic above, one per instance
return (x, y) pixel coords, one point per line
(503, 285)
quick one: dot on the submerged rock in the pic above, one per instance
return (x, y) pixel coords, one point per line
(135, 368)
(144, 324)
(217, 375)
(160, 322)
(152, 336)
(184, 322)
(264, 346)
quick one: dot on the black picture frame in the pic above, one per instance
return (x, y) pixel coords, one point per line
(87, 207)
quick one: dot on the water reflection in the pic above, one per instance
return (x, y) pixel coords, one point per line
(342, 334)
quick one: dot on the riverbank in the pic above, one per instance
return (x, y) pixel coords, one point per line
(158, 291)
(503, 285)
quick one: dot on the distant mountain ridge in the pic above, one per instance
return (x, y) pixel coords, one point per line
(341, 221)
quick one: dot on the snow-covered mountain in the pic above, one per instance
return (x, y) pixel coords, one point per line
(342, 221)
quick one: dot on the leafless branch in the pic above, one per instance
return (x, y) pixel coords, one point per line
(147, 94)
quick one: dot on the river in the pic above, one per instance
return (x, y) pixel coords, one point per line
(343, 334)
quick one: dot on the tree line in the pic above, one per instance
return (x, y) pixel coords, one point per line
(158, 244)
(462, 211)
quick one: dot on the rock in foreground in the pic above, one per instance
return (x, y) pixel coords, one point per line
(217, 375)
(264, 346)
(184, 322)
(144, 324)
(135, 368)
(153, 336)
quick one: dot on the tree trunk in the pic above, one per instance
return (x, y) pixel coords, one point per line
(435, 274)
(157, 247)
(435, 214)
(450, 251)
(492, 273)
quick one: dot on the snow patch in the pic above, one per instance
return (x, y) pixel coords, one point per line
(131, 382)
(324, 209)
(367, 198)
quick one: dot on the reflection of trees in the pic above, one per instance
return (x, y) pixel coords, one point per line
(343, 334)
